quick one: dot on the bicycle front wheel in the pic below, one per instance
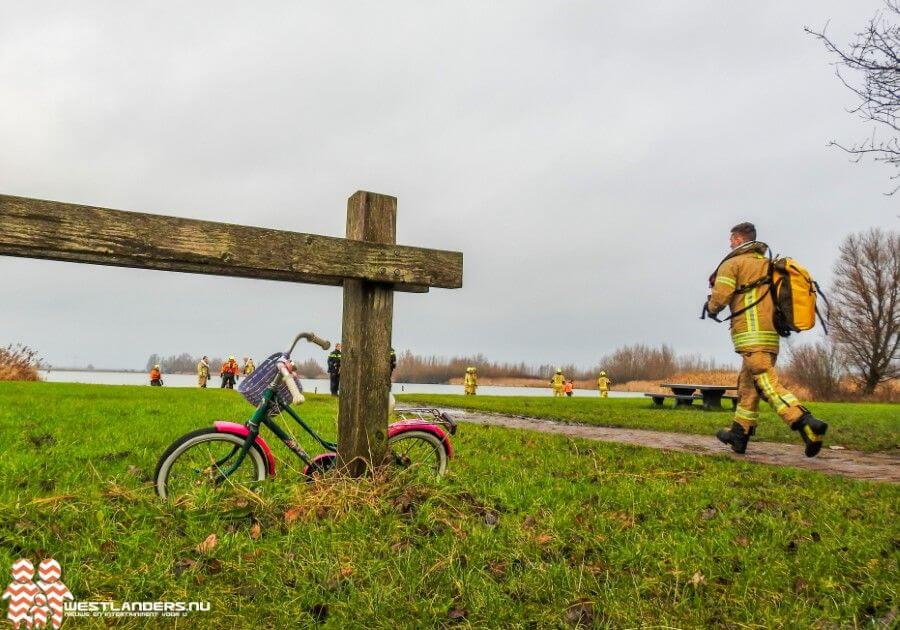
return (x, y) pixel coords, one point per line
(195, 464)
(419, 454)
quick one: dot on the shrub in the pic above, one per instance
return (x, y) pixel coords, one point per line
(818, 369)
(19, 363)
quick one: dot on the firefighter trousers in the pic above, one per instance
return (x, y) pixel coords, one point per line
(758, 380)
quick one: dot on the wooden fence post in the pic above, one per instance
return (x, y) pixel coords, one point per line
(366, 339)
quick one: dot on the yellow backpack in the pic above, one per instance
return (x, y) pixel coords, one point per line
(794, 292)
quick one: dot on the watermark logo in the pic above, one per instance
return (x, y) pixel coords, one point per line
(36, 604)
(44, 603)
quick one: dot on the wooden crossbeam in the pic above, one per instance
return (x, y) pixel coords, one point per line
(35, 228)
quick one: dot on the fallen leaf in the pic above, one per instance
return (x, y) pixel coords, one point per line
(253, 555)
(580, 614)
(800, 585)
(708, 513)
(742, 541)
(400, 546)
(209, 544)
(292, 515)
(457, 614)
(345, 572)
(255, 531)
(212, 565)
(491, 519)
(183, 565)
(697, 579)
(543, 539)
(497, 569)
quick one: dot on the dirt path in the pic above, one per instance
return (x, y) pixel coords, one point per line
(846, 462)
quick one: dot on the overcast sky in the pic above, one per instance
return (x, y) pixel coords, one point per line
(587, 158)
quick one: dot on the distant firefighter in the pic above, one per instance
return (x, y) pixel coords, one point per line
(569, 388)
(249, 367)
(603, 383)
(229, 372)
(470, 382)
(334, 369)
(156, 377)
(558, 383)
(203, 371)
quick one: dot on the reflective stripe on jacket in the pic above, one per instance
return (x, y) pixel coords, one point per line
(754, 329)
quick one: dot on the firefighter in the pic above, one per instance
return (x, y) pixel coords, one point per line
(557, 383)
(603, 383)
(203, 371)
(470, 381)
(249, 367)
(569, 388)
(741, 282)
(229, 373)
(156, 377)
(334, 369)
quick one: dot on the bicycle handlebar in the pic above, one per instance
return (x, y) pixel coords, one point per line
(312, 338)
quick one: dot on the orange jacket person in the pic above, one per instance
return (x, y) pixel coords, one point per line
(229, 373)
(156, 377)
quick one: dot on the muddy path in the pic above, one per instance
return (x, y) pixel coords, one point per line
(848, 463)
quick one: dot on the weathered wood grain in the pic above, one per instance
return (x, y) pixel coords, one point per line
(366, 338)
(53, 230)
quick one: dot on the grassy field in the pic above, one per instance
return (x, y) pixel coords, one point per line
(863, 426)
(527, 530)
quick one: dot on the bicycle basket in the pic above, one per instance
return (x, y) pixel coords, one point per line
(253, 386)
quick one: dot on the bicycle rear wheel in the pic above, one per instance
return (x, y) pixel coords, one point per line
(419, 454)
(194, 464)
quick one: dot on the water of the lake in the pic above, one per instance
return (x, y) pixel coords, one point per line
(309, 385)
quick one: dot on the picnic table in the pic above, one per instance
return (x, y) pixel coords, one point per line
(685, 395)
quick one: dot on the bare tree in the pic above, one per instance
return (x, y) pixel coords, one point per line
(817, 367)
(870, 68)
(865, 313)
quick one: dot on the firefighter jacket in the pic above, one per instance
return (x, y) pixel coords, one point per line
(203, 369)
(603, 382)
(740, 283)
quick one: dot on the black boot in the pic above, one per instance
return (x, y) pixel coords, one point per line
(735, 436)
(811, 430)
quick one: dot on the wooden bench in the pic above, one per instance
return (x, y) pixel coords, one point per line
(682, 400)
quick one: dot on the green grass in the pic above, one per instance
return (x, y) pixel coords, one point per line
(863, 426)
(527, 530)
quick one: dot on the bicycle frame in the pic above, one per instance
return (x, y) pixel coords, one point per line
(262, 417)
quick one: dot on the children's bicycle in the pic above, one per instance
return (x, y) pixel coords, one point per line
(231, 454)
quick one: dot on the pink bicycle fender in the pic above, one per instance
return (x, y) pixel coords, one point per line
(239, 429)
(420, 425)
